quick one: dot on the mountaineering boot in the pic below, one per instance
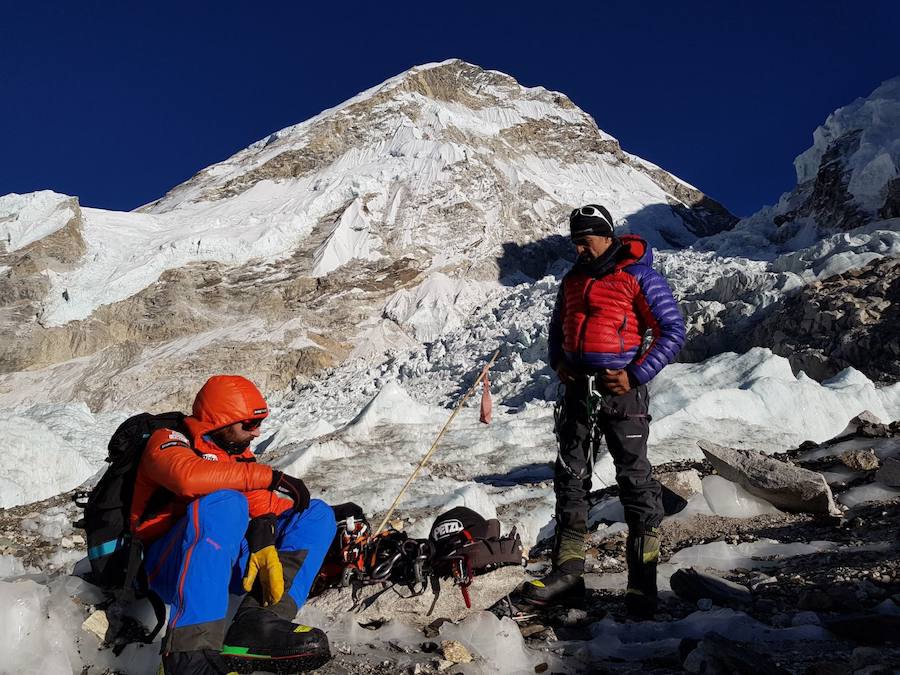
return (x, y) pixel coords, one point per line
(199, 662)
(259, 639)
(641, 555)
(560, 586)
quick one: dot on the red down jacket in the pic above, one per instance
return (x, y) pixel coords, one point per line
(192, 466)
(599, 322)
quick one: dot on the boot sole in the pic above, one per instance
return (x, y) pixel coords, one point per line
(283, 665)
(570, 599)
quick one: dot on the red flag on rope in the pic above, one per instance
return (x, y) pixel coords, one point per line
(486, 405)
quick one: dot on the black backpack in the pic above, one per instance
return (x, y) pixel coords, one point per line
(115, 556)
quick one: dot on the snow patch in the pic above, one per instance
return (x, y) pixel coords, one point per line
(24, 219)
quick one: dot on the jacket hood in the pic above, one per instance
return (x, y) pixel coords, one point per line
(224, 400)
(634, 250)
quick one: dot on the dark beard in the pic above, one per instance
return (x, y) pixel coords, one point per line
(606, 263)
(230, 447)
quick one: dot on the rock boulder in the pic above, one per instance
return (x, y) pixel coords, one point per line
(784, 485)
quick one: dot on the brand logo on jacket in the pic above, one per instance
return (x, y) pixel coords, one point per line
(209, 457)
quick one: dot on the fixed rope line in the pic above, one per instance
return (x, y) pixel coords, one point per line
(434, 445)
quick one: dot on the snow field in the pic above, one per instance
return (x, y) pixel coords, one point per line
(50, 449)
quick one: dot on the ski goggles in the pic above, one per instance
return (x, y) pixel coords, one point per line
(590, 212)
(251, 425)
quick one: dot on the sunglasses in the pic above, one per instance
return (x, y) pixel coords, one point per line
(590, 212)
(251, 425)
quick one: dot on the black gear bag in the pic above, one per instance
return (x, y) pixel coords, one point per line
(463, 534)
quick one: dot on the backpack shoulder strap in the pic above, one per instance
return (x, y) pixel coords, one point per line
(136, 587)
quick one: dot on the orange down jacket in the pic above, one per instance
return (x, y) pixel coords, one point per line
(176, 469)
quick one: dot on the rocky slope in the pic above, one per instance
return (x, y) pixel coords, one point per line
(850, 319)
(841, 217)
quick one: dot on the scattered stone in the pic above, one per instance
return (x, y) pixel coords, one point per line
(541, 668)
(716, 655)
(865, 656)
(429, 647)
(685, 484)
(866, 628)
(889, 474)
(574, 617)
(788, 487)
(704, 604)
(97, 623)
(455, 651)
(843, 598)
(693, 586)
(827, 668)
(533, 629)
(433, 629)
(760, 579)
(815, 600)
(444, 664)
(806, 619)
(860, 460)
(781, 620)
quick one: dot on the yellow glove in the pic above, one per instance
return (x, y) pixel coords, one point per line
(264, 563)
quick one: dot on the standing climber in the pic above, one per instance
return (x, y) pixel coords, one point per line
(606, 304)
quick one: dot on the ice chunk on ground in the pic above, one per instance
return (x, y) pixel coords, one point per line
(610, 510)
(722, 556)
(643, 640)
(11, 566)
(497, 641)
(731, 500)
(873, 492)
(33, 637)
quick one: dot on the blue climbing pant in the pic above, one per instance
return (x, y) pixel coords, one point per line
(202, 559)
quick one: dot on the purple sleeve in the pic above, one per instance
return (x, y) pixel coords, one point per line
(657, 307)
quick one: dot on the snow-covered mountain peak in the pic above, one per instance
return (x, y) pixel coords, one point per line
(870, 129)
(432, 123)
(851, 174)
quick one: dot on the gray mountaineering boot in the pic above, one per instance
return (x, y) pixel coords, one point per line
(642, 556)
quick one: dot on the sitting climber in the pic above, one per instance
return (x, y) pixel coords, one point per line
(213, 521)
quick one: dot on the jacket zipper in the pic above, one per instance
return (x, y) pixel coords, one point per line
(621, 337)
(195, 518)
(587, 314)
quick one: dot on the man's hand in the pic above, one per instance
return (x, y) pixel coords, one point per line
(565, 373)
(292, 487)
(264, 563)
(616, 381)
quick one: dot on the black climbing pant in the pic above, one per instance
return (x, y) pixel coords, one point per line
(581, 420)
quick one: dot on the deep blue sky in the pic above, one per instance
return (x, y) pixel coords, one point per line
(118, 102)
